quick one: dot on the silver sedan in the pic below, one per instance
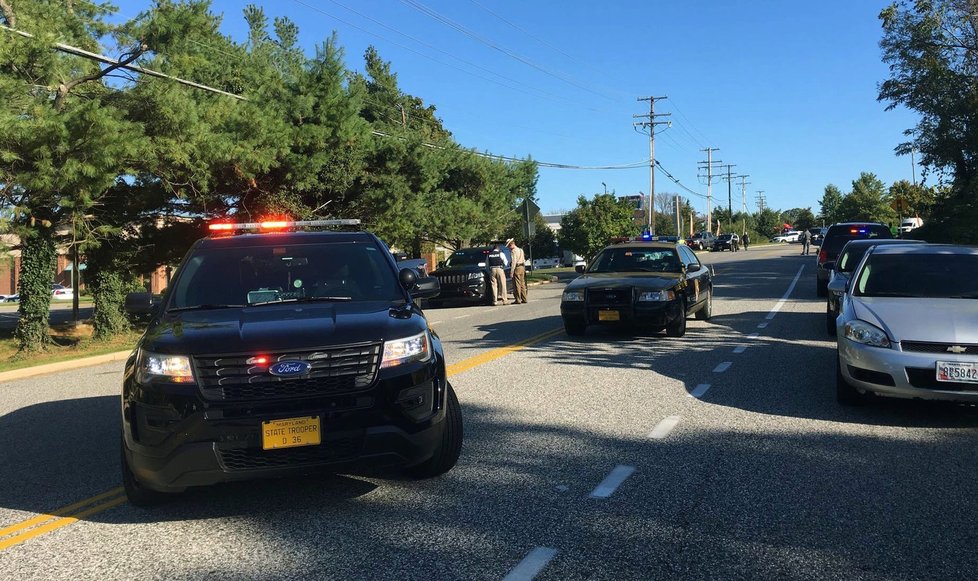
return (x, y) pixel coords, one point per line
(908, 326)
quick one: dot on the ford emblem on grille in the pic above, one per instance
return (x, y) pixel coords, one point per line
(289, 368)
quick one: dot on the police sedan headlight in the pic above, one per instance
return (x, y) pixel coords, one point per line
(399, 351)
(573, 296)
(656, 296)
(475, 275)
(163, 367)
(863, 332)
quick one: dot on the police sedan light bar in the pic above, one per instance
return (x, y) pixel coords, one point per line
(278, 224)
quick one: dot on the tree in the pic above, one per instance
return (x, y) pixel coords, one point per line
(909, 199)
(866, 201)
(590, 227)
(769, 222)
(64, 140)
(804, 219)
(829, 204)
(931, 47)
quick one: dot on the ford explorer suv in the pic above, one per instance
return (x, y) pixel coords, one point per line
(275, 353)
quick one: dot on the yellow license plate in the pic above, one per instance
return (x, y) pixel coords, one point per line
(290, 433)
(608, 316)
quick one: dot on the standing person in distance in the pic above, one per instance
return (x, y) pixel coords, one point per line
(497, 275)
(746, 239)
(518, 271)
(806, 241)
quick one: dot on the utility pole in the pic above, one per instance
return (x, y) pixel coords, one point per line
(650, 125)
(679, 219)
(708, 165)
(761, 201)
(743, 199)
(729, 178)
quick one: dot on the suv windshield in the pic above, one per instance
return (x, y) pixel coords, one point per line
(467, 257)
(636, 260)
(241, 276)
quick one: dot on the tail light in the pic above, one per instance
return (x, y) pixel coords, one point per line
(822, 256)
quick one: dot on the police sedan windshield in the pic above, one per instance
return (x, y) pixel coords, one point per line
(636, 260)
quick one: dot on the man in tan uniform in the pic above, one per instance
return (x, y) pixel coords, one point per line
(518, 271)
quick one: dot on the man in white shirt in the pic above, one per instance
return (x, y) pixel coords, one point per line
(497, 275)
(518, 272)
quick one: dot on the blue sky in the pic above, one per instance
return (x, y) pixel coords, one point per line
(786, 90)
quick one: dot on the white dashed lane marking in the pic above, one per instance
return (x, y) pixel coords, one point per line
(791, 287)
(722, 367)
(699, 390)
(611, 482)
(663, 428)
(531, 565)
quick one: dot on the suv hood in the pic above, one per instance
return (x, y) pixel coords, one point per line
(284, 327)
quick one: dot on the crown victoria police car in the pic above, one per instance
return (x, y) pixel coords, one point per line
(276, 352)
(642, 283)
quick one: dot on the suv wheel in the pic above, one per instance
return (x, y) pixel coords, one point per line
(136, 493)
(829, 322)
(706, 311)
(846, 394)
(677, 328)
(447, 453)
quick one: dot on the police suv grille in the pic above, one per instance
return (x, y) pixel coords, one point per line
(452, 278)
(333, 371)
(609, 297)
(922, 347)
(328, 451)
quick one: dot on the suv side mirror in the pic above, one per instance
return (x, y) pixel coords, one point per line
(441, 264)
(419, 287)
(408, 278)
(579, 269)
(829, 265)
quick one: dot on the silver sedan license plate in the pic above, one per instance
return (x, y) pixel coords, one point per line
(957, 372)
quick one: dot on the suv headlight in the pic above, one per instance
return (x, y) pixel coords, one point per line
(573, 296)
(657, 296)
(475, 275)
(398, 351)
(863, 332)
(160, 366)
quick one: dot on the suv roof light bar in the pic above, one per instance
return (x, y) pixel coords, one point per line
(278, 224)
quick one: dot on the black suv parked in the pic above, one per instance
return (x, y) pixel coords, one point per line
(835, 238)
(464, 276)
(277, 353)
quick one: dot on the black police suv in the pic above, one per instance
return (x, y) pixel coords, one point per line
(280, 353)
(464, 276)
(653, 285)
(835, 238)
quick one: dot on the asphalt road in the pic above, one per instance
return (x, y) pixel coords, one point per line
(59, 313)
(720, 455)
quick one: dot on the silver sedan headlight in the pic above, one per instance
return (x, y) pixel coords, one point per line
(863, 332)
(573, 296)
(656, 296)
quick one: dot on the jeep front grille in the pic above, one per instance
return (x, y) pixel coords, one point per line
(333, 371)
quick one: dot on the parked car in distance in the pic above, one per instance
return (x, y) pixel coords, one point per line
(835, 238)
(465, 274)
(841, 270)
(61, 292)
(701, 240)
(725, 242)
(909, 325)
(9, 298)
(786, 237)
(817, 235)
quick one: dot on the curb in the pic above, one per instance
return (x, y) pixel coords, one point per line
(63, 366)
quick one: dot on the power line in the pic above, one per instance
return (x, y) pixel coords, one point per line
(540, 40)
(475, 36)
(73, 50)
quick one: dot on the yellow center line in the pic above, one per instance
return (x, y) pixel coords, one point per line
(63, 516)
(488, 356)
(115, 498)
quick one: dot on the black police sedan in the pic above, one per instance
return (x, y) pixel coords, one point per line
(653, 285)
(277, 353)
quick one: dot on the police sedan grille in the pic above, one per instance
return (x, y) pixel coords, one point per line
(926, 347)
(333, 371)
(610, 297)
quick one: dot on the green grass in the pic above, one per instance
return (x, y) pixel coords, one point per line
(68, 342)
